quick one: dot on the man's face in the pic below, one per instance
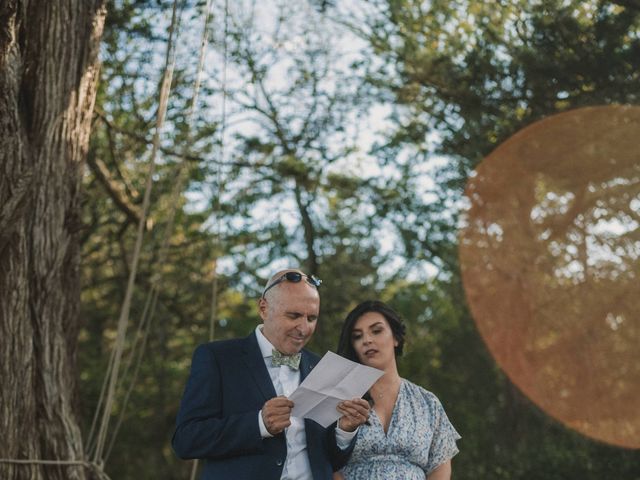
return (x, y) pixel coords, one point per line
(290, 314)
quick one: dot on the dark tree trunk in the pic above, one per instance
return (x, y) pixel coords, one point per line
(48, 76)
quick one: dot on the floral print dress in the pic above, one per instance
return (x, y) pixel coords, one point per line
(419, 439)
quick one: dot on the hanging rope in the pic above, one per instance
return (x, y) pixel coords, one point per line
(216, 207)
(223, 124)
(148, 315)
(91, 441)
(70, 463)
(126, 305)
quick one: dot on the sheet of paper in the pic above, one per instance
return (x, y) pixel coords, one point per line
(332, 380)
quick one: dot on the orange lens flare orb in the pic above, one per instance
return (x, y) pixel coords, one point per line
(549, 253)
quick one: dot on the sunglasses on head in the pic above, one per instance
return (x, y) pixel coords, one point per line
(294, 277)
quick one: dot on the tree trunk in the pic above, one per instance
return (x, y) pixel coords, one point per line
(48, 75)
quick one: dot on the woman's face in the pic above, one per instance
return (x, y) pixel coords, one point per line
(373, 341)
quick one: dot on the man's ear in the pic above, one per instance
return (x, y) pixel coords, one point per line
(262, 308)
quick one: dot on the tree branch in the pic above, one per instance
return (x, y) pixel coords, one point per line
(113, 188)
(167, 151)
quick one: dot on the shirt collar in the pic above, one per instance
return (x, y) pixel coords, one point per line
(265, 345)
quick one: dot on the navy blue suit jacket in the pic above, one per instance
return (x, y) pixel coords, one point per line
(218, 417)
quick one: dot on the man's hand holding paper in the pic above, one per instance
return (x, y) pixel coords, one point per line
(332, 390)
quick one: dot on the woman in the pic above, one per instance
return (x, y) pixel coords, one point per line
(408, 435)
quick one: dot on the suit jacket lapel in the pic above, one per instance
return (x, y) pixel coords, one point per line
(306, 365)
(255, 363)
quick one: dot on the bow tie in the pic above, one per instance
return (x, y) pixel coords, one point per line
(278, 359)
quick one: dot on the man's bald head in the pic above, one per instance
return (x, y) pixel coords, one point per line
(290, 275)
(289, 309)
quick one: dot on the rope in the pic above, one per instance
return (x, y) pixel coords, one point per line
(151, 301)
(80, 463)
(91, 439)
(223, 126)
(194, 469)
(126, 306)
(148, 315)
(223, 120)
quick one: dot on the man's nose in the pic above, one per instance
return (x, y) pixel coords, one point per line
(304, 325)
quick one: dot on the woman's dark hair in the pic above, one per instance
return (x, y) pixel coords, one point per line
(345, 348)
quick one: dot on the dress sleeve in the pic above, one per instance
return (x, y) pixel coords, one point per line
(443, 442)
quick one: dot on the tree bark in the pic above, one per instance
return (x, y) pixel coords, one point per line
(48, 76)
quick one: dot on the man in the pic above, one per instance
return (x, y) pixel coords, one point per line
(235, 413)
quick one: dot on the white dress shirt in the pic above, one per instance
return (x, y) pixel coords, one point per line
(285, 381)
